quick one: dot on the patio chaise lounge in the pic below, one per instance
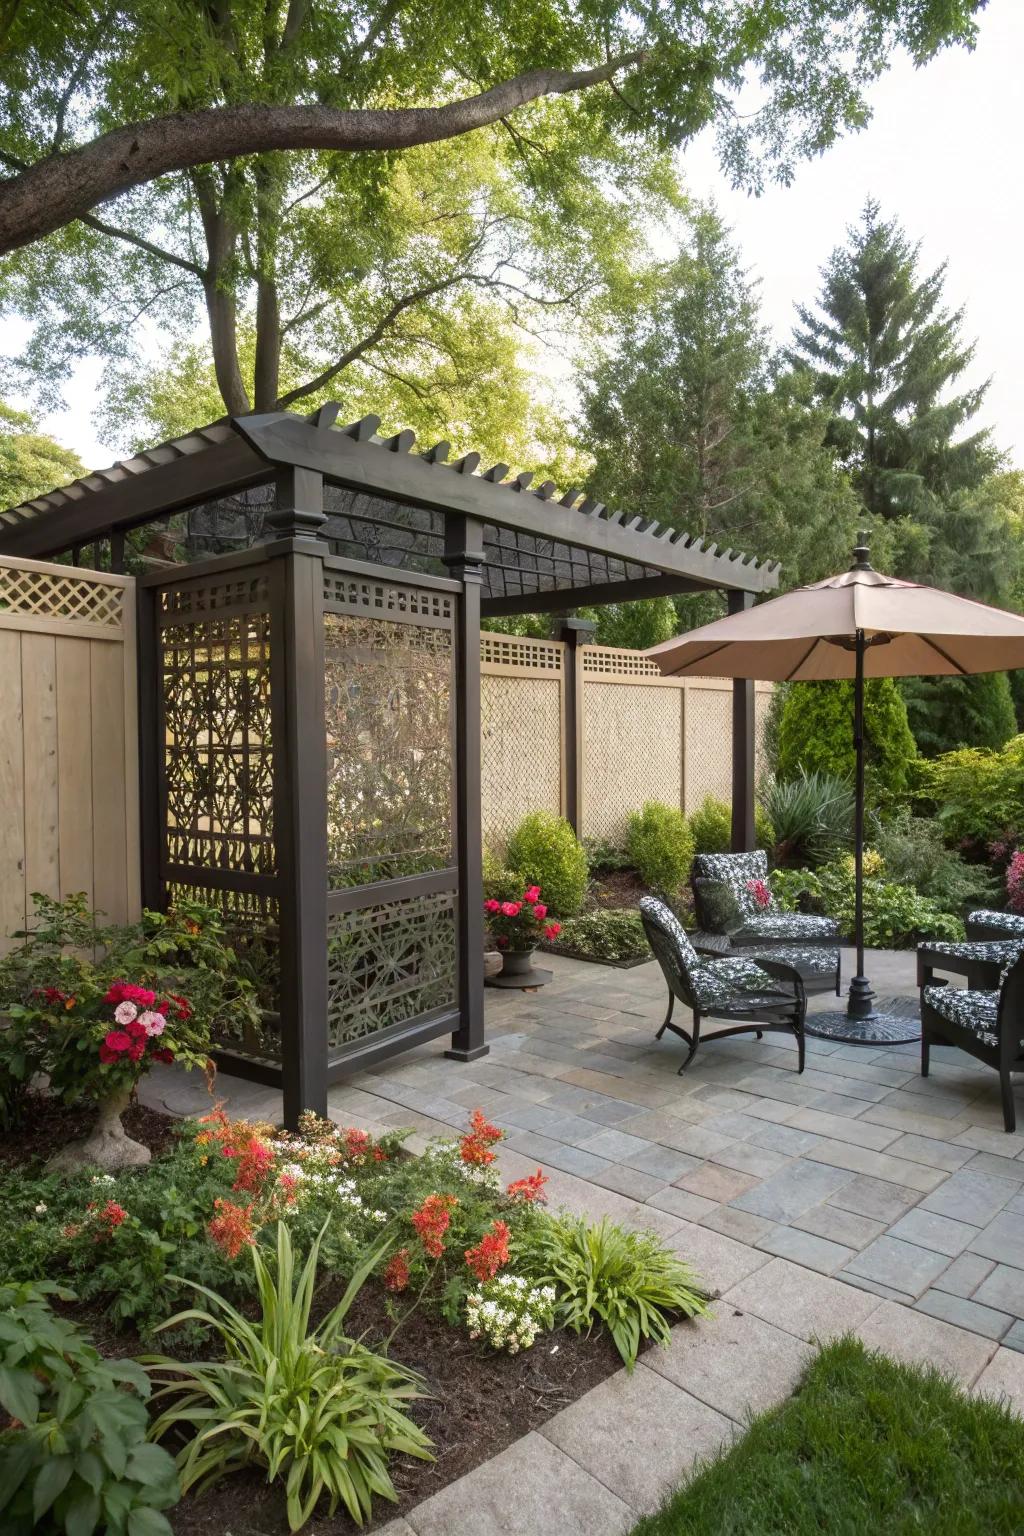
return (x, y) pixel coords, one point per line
(762, 994)
(987, 1024)
(726, 888)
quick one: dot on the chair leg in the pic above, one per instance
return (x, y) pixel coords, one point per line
(694, 1042)
(668, 1016)
(926, 1047)
(1009, 1109)
(799, 1046)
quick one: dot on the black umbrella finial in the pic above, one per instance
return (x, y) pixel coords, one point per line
(861, 553)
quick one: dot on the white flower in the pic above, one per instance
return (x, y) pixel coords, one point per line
(152, 1023)
(379, 1215)
(102, 1178)
(125, 1012)
(41, 1208)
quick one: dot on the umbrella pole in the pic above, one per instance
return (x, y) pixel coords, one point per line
(860, 1003)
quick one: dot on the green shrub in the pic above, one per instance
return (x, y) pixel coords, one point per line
(816, 735)
(614, 933)
(947, 713)
(605, 1274)
(545, 851)
(977, 796)
(313, 1408)
(915, 854)
(895, 916)
(660, 845)
(812, 816)
(78, 1460)
(711, 827)
(604, 857)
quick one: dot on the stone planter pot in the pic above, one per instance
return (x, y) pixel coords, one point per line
(107, 1146)
(518, 970)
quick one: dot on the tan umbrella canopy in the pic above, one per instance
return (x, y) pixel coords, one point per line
(856, 625)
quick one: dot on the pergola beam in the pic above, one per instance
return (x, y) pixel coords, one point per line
(560, 599)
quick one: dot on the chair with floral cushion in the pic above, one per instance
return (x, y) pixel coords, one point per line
(988, 1025)
(764, 995)
(988, 925)
(733, 902)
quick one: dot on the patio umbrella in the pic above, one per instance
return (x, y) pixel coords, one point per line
(856, 625)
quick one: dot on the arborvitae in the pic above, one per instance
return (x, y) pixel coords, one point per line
(886, 356)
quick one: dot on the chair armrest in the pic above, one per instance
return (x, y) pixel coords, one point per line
(787, 973)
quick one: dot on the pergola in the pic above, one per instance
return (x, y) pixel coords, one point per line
(336, 604)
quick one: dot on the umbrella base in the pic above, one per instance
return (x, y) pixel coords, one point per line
(892, 1021)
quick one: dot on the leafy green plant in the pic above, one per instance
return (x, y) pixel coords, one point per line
(76, 1460)
(915, 854)
(613, 933)
(711, 827)
(310, 1406)
(977, 796)
(816, 734)
(812, 816)
(605, 858)
(660, 845)
(606, 1274)
(895, 916)
(545, 851)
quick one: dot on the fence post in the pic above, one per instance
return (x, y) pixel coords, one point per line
(743, 834)
(300, 790)
(574, 633)
(464, 557)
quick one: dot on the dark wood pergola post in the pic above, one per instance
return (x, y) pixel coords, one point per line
(464, 557)
(574, 633)
(743, 833)
(300, 790)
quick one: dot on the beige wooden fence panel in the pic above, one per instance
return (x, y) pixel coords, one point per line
(522, 705)
(68, 740)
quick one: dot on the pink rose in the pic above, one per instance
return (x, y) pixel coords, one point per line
(117, 1041)
(540, 911)
(532, 894)
(491, 905)
(552, 930)
(153, 1023)
(511, 908)
(125, 1012)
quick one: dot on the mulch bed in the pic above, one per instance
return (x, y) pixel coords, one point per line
(479, 1402)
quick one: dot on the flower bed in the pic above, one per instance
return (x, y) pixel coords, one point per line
(472, 1312)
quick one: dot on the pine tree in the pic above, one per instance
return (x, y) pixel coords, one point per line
(886, 356)
(950, 712)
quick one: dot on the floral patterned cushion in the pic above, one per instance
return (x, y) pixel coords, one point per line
(796, 926)
(974, 1010)
(1010, 923)
(815, 959)
(728, 983)
(739, 871)
(1002, 950)
(661, 913)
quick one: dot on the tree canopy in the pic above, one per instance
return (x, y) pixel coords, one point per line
(31, 463)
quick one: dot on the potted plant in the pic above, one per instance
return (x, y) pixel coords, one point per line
(517, 926)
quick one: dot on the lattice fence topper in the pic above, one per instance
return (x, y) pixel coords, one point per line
(210, 597)
(519, 651)
(388, 704)
(383, 598)
(389, 963)
(43, 595)
(602, 661)
(218, 762)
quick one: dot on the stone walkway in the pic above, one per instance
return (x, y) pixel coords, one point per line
(857, 1196)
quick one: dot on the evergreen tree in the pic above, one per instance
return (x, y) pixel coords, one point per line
(946, 713)
(885, 356)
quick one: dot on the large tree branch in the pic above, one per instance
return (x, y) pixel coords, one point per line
(62, 187)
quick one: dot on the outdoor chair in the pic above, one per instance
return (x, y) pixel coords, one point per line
(985, 924)
(733, 988)
(987, 1024)
(735, 910)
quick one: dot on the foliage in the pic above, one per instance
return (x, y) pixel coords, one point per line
(605, 858)
(885, 357)
(946, 713)
(711, 827)
(509, 1312)
(612, 933)
(1015, 882)
(660, 845)
(76, 1458)
(914, 854)
(895, 916)
(545, 850)
(976, 796)
(737, 456)
(312, 1407)
(865, 1444)
(520, 922)
(634, 626)
(812, 815)
(30, 462)
(816, 735)
(626, 1280)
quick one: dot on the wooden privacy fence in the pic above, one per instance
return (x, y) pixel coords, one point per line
(68, 740)
(595, 730)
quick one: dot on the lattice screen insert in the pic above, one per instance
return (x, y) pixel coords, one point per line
(246, 591)
(383, 598)
(518, 651)
(43, 595)
(251, 921)
(388, 964)
(606, 661)
(520, 751)
(632, 753)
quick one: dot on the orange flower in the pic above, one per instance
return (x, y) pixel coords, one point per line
(490, 1253)
(431, 1222)
(475, 1146)
(232, 1229)
(396, 1275)
(530, 1189)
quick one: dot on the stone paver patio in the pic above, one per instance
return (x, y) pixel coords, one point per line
(856, 1197)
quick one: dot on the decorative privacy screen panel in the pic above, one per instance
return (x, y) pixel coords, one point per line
(389, 963)
(388, 707)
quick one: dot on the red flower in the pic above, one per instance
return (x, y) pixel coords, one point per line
(475, 1146)
(431, 1222)
(136, 1030)
(490, 1253)
(163, 1054)
(127, 992)
(511, 908)
(552, 930)
(533, 894)
(113, 1214)
(540, 911)
(501, 941)
(357, 1143)
(396, 1275)
(107, 1055)
(117, 1041)
(760, 892)
(232, 1229)
(530, 1190)
(255, 1160)
(491, 905)
(137, 1050)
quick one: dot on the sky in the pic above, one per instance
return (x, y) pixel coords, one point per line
(940, 153)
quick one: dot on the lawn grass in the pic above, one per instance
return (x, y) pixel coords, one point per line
(867, 1447)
